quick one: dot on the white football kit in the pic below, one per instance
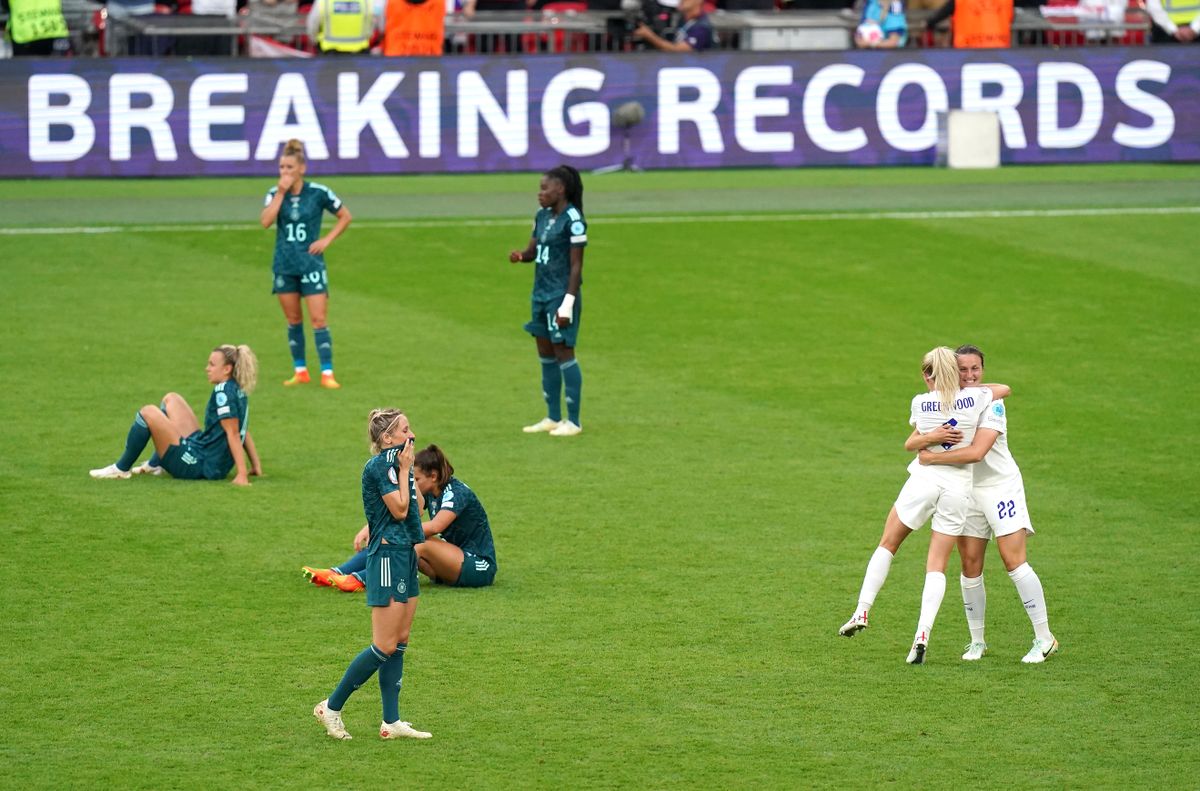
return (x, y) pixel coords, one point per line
(998, 492)
(941, 491)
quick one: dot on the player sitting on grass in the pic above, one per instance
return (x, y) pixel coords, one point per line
(184, 449)
(465, 557)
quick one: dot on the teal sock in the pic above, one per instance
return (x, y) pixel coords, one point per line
(551, 387)
(357, 674)
(324, 343)
(296, 344)
(135, 443)
(573, 385)
(391, 674)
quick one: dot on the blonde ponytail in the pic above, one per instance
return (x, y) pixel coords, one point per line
(941, 367)
(244, 363)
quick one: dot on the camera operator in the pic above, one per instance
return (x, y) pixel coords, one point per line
(695, 34)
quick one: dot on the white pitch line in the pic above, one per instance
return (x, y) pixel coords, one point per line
(657, 219)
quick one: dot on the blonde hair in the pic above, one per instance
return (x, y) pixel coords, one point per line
(294, 148)
(941, 366)
(245, 365)
(379, 422)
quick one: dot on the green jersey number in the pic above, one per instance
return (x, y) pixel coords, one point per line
(296, 232)
(543, 254)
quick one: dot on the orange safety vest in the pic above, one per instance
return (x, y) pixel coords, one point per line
(982, 24)
(415, 28)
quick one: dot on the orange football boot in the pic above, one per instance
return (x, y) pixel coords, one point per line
(299, 378)
(346, 582)
(328, 381)
(317, 576)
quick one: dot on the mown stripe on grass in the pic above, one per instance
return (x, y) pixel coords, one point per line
(658, 219)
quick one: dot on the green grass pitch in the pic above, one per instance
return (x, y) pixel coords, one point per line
(671, 581)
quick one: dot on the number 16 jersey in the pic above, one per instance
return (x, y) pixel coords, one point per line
(299, 225)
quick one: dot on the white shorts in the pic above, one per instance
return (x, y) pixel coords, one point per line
(997, 511)
(921, 498)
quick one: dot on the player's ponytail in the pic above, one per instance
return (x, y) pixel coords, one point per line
(572, 184)
(244, 364)
(294, 148)
(941, 367)
(432, 461)
(380, 422)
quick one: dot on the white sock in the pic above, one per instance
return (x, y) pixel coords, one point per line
(877, 572)
(1029, 588)
(974, 604)
(931, 602)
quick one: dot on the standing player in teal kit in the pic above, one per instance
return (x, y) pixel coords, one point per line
(393, 514)
(296, 207)
(556, 249)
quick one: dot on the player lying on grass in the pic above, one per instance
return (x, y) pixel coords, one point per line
(997, 509)
(181, 446)
(944, 416)
(465, 555)
(393, 528)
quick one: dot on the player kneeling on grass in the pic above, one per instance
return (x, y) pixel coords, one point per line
(184, 449)
(464, 557)
(393, 529)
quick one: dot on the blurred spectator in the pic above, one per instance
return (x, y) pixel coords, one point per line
(415, 27)
(225, 8)
(122, 9)
(977, 24)
(695, 34)
(880, 27)
(1175, 21)
(34, 26)
(279, 12)
(341, 27)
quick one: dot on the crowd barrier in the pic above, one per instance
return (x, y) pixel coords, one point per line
(178, 117)
(556, 30)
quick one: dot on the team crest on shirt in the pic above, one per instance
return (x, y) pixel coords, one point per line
(998, 410)
(577, 228)
(393, 477)
(222, 399)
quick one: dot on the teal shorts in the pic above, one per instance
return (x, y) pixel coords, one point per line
(476, 572)
(544, 322)
(391, 575)
(184, 461)
(308, 284)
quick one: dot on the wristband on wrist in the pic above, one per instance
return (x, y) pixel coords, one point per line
(567, 307)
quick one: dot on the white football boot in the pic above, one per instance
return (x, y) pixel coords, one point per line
(401, 730)
(916, 654)
(1041, 649)
(566, 429)
(543, 425)
(146, 468)
(975, 652)
(111, 471)
(332, 720)
(854, 625)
